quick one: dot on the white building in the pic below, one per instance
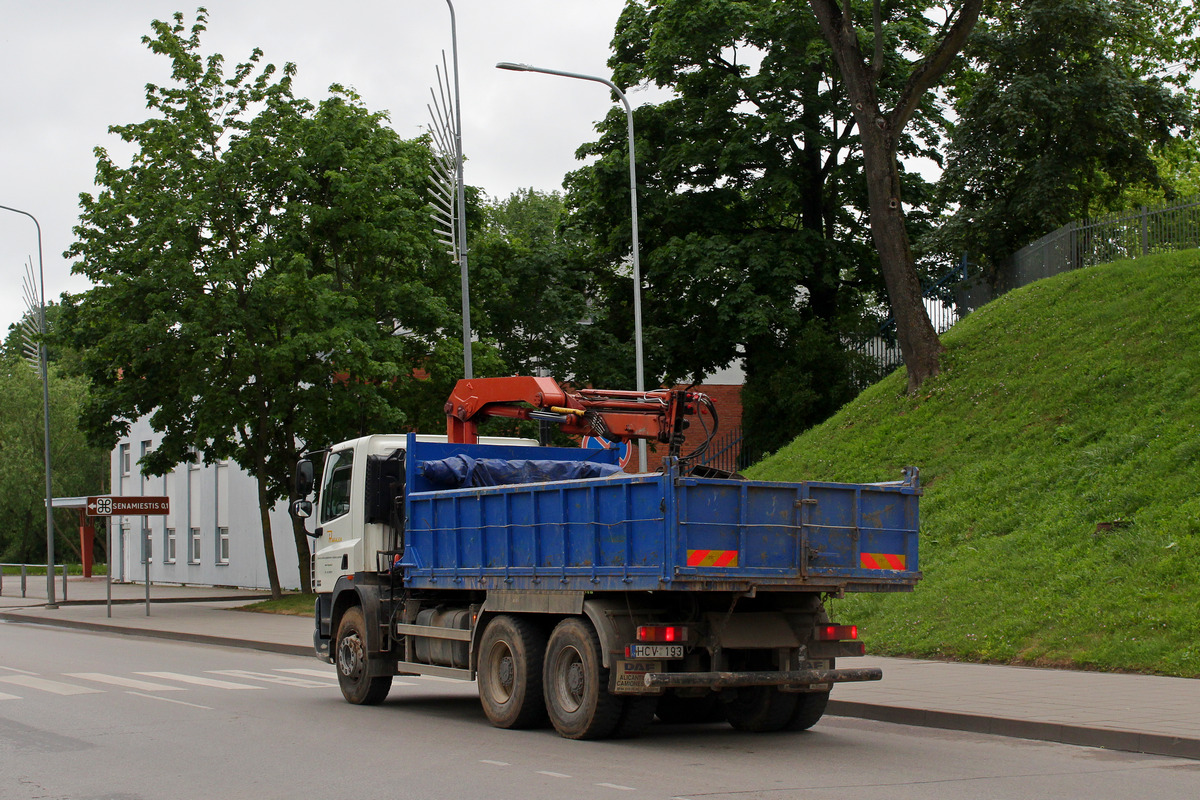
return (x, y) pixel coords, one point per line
(212, 535)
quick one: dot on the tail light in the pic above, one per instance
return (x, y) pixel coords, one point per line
(836, 633)
(662, 633)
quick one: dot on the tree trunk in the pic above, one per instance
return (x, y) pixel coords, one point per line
(303, 555)
(880, 134)
(919, 343)
(264, 512)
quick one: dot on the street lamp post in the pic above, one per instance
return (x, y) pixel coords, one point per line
(637, 264)
(45, 414)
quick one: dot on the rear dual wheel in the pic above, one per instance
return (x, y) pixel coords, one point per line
(576, 684)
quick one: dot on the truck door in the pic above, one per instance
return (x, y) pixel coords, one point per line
(339, 545)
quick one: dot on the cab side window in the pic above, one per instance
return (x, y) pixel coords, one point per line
(335, 494)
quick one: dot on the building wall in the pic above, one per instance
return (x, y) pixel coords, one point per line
(214, 517)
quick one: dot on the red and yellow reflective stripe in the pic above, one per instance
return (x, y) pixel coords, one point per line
(712, 558)
(882, 561)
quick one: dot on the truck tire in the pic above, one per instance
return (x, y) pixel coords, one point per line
(576, 683)
(810, 707)
(352, 662)
(760, 709)
(510, 673)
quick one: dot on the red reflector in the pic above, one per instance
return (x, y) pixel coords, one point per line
(661, 633)
(836, 633)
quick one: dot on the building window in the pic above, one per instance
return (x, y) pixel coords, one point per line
(169, 546)
(222, 545)
(124, 459)
(194, 546)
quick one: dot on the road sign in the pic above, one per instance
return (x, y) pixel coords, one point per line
(134, 506)
(624, 450)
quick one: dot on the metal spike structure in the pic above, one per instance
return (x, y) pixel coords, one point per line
(443, 178)
(31, 324)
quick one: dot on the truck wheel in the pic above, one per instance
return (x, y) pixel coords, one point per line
(576, 683)
(676, 710)
(810, 707)
(760, 709)
(510, 673)
(352, 663)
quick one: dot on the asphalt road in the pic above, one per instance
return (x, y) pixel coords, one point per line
(96, 717)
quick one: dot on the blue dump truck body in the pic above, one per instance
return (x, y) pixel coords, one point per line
(657, 532)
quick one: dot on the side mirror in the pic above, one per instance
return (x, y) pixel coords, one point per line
(304, 480)
(302, 509)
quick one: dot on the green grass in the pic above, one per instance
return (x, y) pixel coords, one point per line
(297, 605)
(1067, 404)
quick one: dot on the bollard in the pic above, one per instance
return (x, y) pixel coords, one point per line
(22, 580)
(64, 566)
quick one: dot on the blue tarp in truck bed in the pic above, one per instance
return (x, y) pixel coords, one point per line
(655, 532)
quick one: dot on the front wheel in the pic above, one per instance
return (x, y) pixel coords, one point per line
(353, 665)
(576, 683)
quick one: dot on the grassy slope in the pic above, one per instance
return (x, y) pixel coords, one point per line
(1071, 402)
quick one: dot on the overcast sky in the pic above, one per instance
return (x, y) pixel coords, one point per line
(71, 68)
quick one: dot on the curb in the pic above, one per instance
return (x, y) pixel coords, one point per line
(1106, 738)
(175, 636)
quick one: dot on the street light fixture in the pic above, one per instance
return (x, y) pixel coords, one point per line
(45, 414)
(637, 265)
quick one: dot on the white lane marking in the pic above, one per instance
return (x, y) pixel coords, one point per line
(54, 687)
(198, 681)
(313, 673)
(19, 671)
(169, 700)
(617, 786)
(495, 763)
(285, 680)
(128, 683)
(552, 774)
(4, 696)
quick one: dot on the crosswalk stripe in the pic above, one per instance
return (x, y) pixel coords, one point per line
(128, 683)
(315, 673)
(54, 687)
(285, 680)
(198, 681)
(4, 696)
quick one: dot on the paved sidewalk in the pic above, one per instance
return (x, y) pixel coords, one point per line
(1138, 713)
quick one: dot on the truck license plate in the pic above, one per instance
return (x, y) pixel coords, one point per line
(656, 651)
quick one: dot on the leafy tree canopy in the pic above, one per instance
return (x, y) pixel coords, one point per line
(264, 271)
(753, 208)
(1066, 110)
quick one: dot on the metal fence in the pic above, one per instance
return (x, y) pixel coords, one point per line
(1088, 242)
(881, 351)
(24, 576)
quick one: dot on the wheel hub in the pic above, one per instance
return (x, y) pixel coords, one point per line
(351, 656)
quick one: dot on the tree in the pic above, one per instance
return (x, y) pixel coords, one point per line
(536, 288)
(76, 468)
(752, 204)
(265, 274)
(881, 117)
(1066, 110)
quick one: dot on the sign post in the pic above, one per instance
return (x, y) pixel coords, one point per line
(131, 505)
